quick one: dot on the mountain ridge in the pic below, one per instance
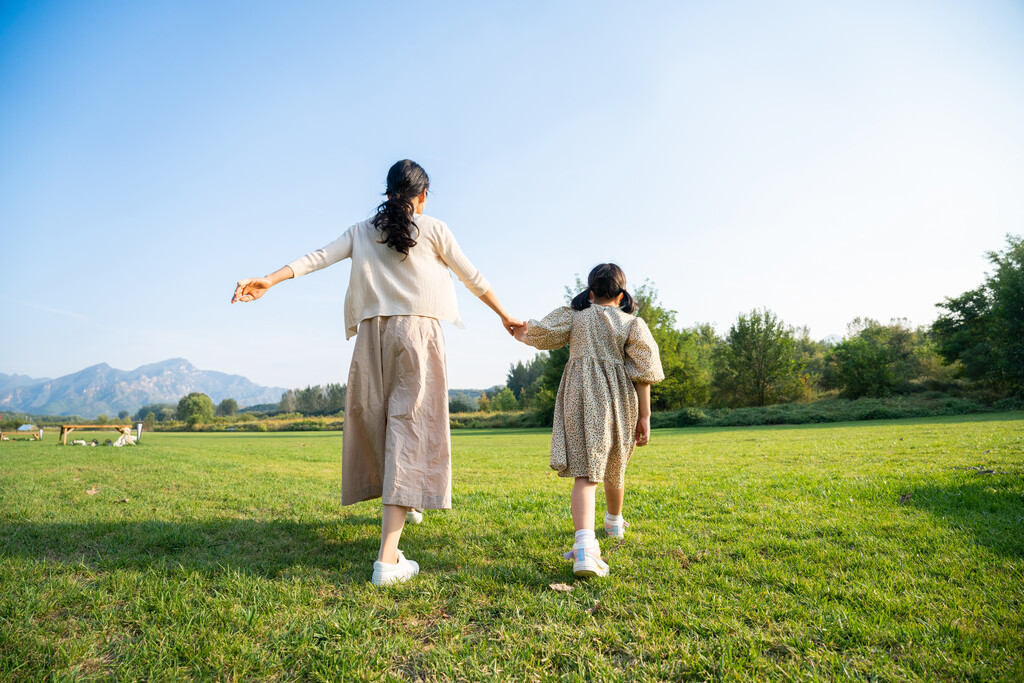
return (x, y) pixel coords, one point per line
(102, 389)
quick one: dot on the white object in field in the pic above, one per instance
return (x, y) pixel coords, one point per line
(138, 430)
(78, 443)
(124, 440)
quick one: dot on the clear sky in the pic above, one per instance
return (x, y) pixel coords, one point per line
(824, 160)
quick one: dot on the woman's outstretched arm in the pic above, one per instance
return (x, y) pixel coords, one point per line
(254, 288)
(508, 322)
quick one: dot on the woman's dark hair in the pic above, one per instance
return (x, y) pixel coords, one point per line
(606, 281)
(406, 180)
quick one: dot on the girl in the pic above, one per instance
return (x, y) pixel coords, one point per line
(396, 444)
(603, 406)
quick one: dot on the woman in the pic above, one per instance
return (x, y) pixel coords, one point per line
(396, 444)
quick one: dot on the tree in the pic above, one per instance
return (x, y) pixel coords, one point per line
(162, 411)
(195, 408)
(551, 376)
(1007, 287)
(983, 329)
(328, 399)
(687, 355)
(504, 401)
(149, 422)
(460, 403)
(523, 379)
(755, 365)
(877, 360)
(227, 407)
(962, 334)
(123, 415)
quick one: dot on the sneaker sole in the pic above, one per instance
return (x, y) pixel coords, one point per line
(588, 569)
(388, 580)
(589, 566)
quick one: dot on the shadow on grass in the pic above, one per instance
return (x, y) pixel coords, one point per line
(344, 549)
(989, 507)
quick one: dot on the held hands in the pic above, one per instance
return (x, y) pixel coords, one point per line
(519, 332)
(511, 325)
(251, 289)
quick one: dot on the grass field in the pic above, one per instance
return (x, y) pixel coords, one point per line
(754, 554)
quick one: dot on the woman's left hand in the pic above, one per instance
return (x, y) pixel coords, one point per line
(511, 324)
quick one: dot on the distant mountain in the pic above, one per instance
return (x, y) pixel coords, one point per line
(8, 382)
(103, 389)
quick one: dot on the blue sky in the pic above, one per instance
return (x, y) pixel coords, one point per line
(824, 160)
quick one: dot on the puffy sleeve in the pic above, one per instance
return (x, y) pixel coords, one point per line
(643, 363)
(452, 255)
(552, 332)
(337, 250)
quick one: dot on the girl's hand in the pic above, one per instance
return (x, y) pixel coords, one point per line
(520, 332)
(643, 431)
(252, 289)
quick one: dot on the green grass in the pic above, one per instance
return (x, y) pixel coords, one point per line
(755, 554)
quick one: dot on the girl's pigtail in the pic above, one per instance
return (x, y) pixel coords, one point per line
(628, 303)
(581, 301)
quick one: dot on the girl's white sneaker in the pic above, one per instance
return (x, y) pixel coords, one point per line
(587, 561)
(615, 529)
(413, 516)
(403, 570)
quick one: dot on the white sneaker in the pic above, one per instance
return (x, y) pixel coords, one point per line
(403, 570)
(615, 530)
(413, 516)
(588, 562)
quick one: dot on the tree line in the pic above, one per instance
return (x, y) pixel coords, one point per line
(198, 408)
(975, 345)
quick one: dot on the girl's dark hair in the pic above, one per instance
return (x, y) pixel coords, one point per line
(406, 180)
(606, 281)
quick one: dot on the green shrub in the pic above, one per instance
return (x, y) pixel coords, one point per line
(303, 426)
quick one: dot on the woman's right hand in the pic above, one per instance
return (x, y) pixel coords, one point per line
(251, 289)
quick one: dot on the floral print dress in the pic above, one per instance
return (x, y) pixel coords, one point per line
(596, 409)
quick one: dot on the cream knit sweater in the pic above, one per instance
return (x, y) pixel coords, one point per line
(383, 282)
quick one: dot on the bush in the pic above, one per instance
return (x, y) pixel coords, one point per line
(687, 417)
(507, 420)
(303, 426)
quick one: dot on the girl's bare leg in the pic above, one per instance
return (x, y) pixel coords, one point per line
(583, 495)
(614, 497)
(392, 521)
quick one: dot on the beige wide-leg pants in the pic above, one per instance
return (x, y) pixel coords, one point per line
(396, 443)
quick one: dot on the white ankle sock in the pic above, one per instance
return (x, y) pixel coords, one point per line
(612, 519)
(586, 537)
